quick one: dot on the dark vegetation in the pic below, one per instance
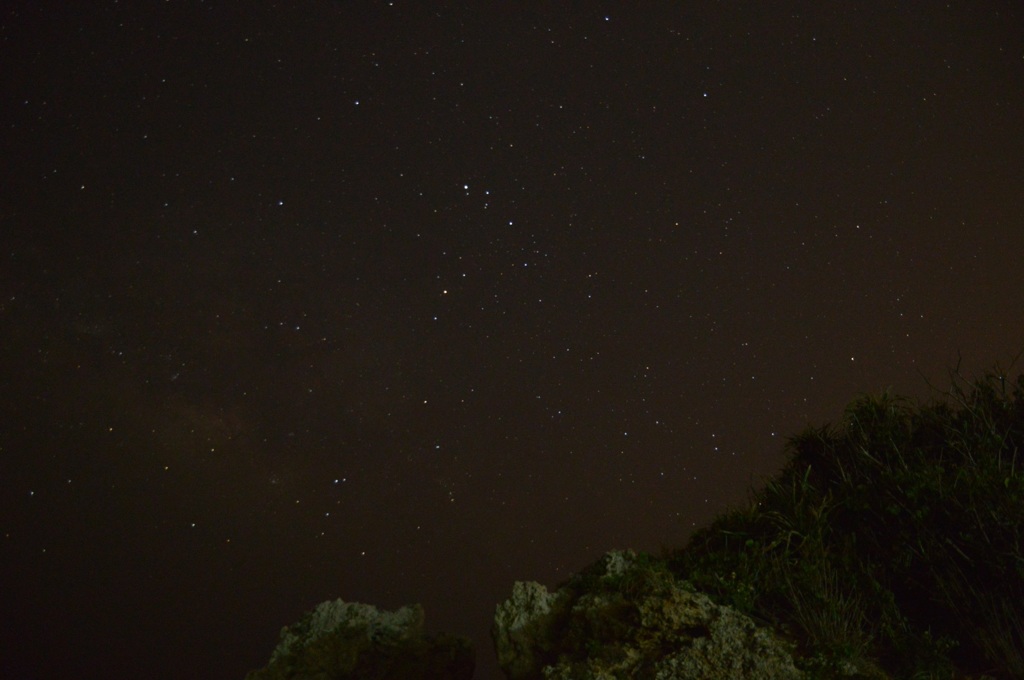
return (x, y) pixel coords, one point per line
(891, 543)
(349, 652)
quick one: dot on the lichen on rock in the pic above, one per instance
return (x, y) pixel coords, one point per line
(627, 616)
(331, 615)
(340, 639)
(522, 623)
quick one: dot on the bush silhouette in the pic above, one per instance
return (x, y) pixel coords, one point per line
(892, 540)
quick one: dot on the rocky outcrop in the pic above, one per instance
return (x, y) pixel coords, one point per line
(523, 625)
(340, 640)
(627, 616)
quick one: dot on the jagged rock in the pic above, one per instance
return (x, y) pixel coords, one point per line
(627, 616)
(339, 640)
(521, 625)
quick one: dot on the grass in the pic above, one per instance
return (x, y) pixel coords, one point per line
(892, 542)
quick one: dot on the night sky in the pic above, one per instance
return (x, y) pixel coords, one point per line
(380, 301)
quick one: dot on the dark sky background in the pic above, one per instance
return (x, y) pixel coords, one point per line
(380, 301)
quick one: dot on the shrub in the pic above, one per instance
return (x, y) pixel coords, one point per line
(897, 533)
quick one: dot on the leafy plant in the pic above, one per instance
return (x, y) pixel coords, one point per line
(896, 534)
